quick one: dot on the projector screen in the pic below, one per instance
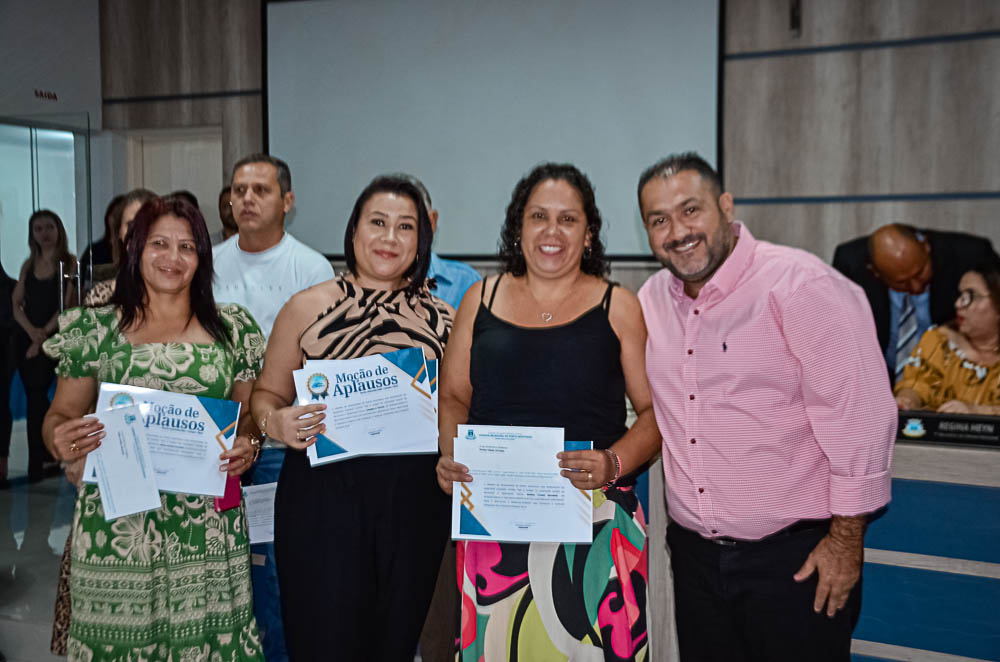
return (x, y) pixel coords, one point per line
(469, 96)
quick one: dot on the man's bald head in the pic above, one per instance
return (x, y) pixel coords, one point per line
(900, 257)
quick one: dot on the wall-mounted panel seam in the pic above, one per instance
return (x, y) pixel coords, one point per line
(889, 197)
(865, 45)
(876, 650)
(936, 563)
(182, 97)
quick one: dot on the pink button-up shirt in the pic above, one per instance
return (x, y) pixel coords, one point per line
(770, 392)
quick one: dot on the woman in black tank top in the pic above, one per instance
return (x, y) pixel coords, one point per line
(35, 305)
(550, 343)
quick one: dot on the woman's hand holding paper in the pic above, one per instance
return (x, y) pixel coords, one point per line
(76, 437)
(240, 457)
(297, 426)
(449, 471)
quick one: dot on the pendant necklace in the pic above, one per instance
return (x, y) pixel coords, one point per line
(546, 315)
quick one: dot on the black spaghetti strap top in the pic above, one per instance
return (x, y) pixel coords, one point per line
(567, 376)
(41, 298)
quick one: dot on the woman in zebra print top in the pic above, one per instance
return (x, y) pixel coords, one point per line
(358, 542)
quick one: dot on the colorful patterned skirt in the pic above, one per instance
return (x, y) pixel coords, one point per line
(546, 602)
(169, 584)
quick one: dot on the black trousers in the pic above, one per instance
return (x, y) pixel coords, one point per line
(739, 603)
(358, 545)
(37, 374)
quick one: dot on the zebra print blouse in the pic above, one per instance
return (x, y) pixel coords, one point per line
(363, 322)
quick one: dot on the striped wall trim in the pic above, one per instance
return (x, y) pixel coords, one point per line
(937, 563)
(880, 651)
(854, 199)
(222, 94)
(946, 464)
(865, 45)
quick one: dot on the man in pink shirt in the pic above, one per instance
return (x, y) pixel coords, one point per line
(778, 423)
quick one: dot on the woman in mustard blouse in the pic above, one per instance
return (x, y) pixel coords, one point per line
(956, 367)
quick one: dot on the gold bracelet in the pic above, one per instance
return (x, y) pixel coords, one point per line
(255, 441)
(263, 423)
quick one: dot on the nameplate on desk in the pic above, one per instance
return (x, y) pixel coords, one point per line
(932, 427)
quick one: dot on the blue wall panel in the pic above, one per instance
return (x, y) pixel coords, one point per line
(936, 611)
(940, 519)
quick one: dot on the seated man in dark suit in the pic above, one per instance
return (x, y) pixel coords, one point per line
(911, 279)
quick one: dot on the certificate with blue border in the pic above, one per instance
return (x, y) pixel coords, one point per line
(517, 493)
(186, 433)
(385, 404)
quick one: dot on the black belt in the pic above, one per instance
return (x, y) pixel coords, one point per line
(801, 526)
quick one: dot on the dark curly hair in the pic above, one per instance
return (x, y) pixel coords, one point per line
(130, 294)
(593, 262)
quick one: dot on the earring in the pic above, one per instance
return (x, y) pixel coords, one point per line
(586, 251)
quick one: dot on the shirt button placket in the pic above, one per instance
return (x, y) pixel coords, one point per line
(692, 325)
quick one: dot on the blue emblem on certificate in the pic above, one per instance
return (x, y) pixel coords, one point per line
(385, 404)
(318, 385)
(121, 400)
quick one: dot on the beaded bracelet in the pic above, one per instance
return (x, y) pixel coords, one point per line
(618, 468)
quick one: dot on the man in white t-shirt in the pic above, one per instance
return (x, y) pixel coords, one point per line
(261, 268)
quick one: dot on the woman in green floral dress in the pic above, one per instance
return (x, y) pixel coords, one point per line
(173, 583)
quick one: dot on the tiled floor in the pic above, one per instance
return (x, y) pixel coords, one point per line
(34, 522)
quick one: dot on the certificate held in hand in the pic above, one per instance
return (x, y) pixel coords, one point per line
(124, 465)
(517, 493)
(376, 405)
(185, 433)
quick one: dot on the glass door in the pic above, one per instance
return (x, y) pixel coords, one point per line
(46, 165)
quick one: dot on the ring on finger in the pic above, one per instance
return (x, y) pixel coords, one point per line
(590, 475)
(73, 447)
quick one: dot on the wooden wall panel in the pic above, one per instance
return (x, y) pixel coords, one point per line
(856, 118)
(241, 119)
(242, 130)
(819, 228)
(762, 25)
(922, 119)
(162, 47)
(202, 51)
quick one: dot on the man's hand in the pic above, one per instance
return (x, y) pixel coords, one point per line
(837, 558)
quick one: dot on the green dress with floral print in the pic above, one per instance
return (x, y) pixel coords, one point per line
(174, 583)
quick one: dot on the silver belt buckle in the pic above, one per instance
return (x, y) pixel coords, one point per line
(726, 542)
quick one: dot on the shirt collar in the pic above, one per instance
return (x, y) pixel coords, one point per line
(728, 274)
(436, 269)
